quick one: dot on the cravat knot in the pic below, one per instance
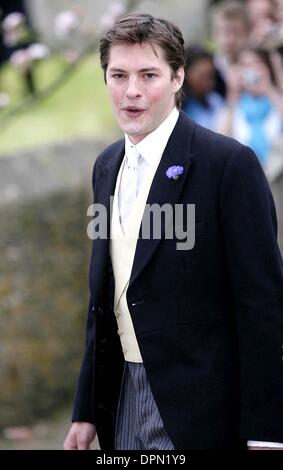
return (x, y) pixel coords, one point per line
(132, 157)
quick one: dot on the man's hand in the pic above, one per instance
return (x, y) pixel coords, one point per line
(80, 436)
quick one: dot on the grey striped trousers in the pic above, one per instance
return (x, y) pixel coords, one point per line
(139, 425)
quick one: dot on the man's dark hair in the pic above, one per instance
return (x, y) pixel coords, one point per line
(140, 28)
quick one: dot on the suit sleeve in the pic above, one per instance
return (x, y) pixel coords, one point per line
(249, 225)
(83, 409)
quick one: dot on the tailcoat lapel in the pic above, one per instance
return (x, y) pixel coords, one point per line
(165, 190)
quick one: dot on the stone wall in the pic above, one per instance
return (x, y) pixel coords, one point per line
(43, 277)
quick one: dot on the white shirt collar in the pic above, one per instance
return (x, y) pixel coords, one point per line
(153, 145)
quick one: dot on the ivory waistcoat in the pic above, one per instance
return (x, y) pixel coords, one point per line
(122, 252)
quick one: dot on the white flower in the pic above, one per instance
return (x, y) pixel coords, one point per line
(66, 22)
(13, 21)
(117, 9)
(21, 59)
(107, 21)
(38, 51)
(12, 27)
(114, 11)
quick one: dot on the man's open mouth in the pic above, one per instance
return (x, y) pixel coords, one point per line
(133, 111)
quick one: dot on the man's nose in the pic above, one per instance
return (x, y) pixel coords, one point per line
(133, 89)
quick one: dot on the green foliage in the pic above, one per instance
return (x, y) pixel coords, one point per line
(44, 296)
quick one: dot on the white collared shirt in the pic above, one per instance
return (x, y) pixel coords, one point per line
(152, 146)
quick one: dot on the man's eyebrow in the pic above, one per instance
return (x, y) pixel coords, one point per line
(150, 69)
(146, 69)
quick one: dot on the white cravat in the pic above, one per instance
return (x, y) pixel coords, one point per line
(129, 183)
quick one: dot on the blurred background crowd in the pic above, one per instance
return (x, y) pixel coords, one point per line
(234, 76)
(237, 88)
(54, 120)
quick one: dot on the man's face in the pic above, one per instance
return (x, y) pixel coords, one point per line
(141, 87)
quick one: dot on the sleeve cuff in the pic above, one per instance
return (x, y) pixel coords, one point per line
(276, 445)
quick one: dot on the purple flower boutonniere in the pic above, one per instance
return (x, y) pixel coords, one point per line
(174, 172)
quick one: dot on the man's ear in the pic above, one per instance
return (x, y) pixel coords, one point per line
(179, 78)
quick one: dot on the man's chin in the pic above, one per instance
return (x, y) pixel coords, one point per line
(133, 131)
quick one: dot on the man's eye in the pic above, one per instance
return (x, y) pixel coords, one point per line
(118, 75)
(150, 75)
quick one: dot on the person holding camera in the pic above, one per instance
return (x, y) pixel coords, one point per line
(254, 110)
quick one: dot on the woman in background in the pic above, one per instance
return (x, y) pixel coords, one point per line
(254, 110)
(201, 103)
